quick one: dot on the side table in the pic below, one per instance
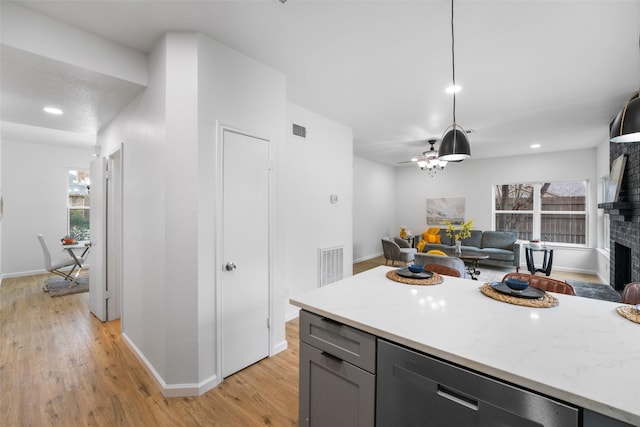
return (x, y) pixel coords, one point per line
(547, 261)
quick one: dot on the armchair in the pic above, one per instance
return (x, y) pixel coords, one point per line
(393, 252)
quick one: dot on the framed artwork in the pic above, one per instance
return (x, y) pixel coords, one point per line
(444, 209)
(615, 179)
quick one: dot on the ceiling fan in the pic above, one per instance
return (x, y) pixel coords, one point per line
(429, 160)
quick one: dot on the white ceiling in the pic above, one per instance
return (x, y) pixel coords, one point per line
(547, 72)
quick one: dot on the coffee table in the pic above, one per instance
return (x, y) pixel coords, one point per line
(472, 262)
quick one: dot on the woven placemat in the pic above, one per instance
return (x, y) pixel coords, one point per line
(546, 301)
(436, 279)
(629, 312)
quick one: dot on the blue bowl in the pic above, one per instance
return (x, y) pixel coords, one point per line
(415, 268)
(516, 284)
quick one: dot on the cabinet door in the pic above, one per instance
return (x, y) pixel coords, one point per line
(334, 393)
(418, 390)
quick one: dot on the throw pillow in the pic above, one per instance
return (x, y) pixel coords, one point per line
(420, 245)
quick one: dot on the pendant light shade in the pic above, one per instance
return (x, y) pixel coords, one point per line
(455, 145)
(626, 126)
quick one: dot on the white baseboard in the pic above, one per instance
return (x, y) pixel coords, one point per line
(292, 312)
(24, 273)
(368, 257)
(281, 346)
(172, 390)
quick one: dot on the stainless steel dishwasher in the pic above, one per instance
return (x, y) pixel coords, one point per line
(414, 389)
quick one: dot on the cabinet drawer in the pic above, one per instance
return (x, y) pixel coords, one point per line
(414, 389)
(346, 343)
(334, 393)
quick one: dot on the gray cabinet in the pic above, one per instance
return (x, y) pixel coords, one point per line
(337, 374)
(414, 389)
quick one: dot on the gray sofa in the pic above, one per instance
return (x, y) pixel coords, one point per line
(501, 246)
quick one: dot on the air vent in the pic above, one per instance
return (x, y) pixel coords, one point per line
(330, 264)
(299, 130)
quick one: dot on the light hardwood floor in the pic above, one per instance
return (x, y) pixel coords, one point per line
(60, 366)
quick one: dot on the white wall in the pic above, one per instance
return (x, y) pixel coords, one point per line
(169, 185)
(238, 91)
(34, 187)
(473, 179)
(374, 207)
(41, 35)
(314, 168)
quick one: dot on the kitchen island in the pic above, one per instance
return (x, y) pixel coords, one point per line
(580, 352)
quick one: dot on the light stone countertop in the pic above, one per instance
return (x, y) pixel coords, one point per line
(581, 351)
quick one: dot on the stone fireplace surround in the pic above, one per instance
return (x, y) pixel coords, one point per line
(624, 218)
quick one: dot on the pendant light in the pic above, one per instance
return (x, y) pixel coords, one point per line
(626, 126)
(455, 145)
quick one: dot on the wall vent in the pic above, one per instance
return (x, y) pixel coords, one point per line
(299, 130)
(330, 263)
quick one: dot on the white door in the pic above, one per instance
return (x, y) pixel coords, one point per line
(245, 251)
(97, 257)
(114, 234)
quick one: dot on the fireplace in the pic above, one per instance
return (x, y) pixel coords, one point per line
(622, 267)
(624, 220)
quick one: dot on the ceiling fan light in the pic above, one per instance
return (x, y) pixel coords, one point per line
(626, 126)
(454, 146)
(422, 164)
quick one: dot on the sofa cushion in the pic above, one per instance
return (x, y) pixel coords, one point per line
(434, 238)
(498, 239)
(470, 251)
(498, 254)
(444, 239)
(474, 240)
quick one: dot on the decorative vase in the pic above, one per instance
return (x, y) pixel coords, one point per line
(458, 247)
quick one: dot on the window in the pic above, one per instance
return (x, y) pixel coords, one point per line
(78, 204)
(550, 211)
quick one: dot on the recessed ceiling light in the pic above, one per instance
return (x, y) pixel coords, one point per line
(454, 89)
(535, 145)
(53, 110)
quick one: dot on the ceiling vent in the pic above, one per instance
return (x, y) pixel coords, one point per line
(300, 131)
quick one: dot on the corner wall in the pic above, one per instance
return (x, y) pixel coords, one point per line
(169, 190)
(374, 207)
(312, 169)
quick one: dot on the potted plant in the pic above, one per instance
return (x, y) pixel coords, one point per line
(459, 234)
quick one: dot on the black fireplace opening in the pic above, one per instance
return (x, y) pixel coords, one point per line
(622, 267)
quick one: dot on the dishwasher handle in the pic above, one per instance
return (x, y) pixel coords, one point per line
(458, 397)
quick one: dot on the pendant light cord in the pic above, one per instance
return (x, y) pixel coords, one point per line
(453, 65)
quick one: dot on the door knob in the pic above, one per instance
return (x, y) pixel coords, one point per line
(230, 266)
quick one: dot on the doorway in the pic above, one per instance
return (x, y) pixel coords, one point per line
(245, 262)
(113, 278)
